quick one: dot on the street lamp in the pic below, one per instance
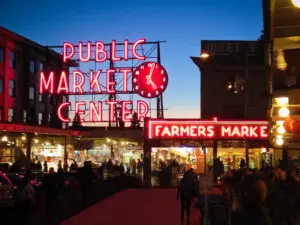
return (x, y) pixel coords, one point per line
(204, 55)
(296, 3)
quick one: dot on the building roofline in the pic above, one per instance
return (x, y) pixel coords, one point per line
(234, 41)
(20, 38)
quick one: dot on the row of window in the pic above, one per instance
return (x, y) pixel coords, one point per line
(12, 60)
(11, 114)
(12, 57)
(32, 66)
(12, 90)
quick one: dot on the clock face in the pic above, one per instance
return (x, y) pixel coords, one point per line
(149, 80)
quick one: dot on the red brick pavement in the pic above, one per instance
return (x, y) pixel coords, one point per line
(135, 207)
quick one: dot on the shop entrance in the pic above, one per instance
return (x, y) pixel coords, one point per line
(173, 146)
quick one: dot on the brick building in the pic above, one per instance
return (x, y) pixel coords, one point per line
(21, 61)
(233, 80)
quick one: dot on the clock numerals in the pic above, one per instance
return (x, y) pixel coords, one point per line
(149, 80)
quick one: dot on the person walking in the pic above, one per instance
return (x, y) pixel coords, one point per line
(51, 187)
(27, 199)
(186, 191)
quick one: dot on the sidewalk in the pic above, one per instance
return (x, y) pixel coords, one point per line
(135, 207)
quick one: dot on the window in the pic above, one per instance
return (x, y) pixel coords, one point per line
(10, 114)
(41, 98)
(24, 116)
(40, 118)
(1, 114)
(12, 59)
(31, 93)
(2, 54)
(41, 66)
(1, 85)
(31, 66)
(12, 88)
(233, 111)
(64, 98)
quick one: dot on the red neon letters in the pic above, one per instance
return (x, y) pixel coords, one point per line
(74, 82)
(95, 110)
(78, 81)
(86, 51)
(207, 130)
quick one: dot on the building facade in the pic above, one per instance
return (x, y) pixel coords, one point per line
(234, 88)
(232, 80)
(21, 61)
(282, 52)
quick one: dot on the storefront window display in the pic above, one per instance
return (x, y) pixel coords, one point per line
(50, 154)
(12, 149)
(118, 151)
(175, 161)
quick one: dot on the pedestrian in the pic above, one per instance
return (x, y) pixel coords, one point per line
(186, 191)
(86, 175)
(51, 187)
(253, 211)
(27, 199)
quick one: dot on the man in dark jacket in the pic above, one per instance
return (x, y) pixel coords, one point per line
(187, 190)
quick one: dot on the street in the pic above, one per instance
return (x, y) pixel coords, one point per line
(135, 207)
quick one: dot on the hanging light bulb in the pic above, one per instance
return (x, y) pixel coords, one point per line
(296, 3)
(281, 130)
(4, 138)
(284, 112)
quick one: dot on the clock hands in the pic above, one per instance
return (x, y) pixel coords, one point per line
(149, 77)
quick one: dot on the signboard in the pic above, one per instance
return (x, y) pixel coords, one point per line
(192, 129)
(149, 80)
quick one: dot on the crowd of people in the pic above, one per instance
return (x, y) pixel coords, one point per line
(49, 187)
(254, 197)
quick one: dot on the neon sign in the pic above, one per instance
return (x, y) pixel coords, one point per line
(60, 83)
(191, 129)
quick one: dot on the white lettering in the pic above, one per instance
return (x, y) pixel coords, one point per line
(157, 130)
(175, 130)
(244, 131)
(253, 132)
(235, 132)
(193, 131)
(225, 131)
(263, 131)
(211, 131)
(166, 132)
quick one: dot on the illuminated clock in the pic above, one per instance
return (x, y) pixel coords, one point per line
(149, 80)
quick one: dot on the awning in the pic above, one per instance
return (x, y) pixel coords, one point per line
(20, 128)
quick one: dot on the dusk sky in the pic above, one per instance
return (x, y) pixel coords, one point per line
(183, 24)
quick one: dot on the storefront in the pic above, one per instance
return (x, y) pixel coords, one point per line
(22, 143)
(197, 144)
(101, 150)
